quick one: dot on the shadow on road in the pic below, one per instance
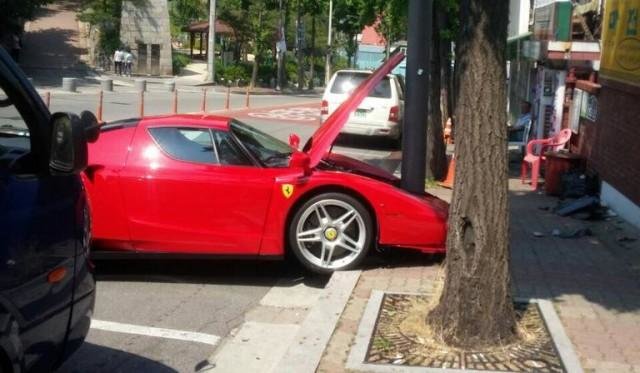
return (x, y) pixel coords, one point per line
(243, 272)
(397, 257)
(105, 359)
(208, 271)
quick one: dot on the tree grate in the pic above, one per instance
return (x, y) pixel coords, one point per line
(395, 343)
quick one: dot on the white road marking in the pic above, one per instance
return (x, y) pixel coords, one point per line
(149, 331)
(304, 114)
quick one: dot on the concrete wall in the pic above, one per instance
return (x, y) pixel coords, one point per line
(147, 24)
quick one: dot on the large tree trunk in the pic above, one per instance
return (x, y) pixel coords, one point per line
(312, 56)
(299, 42)
(256, 52)
(436, 148)
(475, 308)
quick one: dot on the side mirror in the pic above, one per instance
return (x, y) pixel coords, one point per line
(294, 141)
(300, 160)
(70, 135)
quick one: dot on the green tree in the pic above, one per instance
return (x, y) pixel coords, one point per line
(184, 12)
(389, 18)
(13, 13)
(475, 308)
(105, 16)
(349, 18)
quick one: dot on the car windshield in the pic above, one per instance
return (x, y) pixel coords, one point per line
(346, 82)
(270, 151)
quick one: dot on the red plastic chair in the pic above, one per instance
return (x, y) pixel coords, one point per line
(534, 160)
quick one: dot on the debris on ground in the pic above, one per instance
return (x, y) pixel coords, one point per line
(576, 233)
(626, 239)
(538, 234)
(573, 233)
(573, 206)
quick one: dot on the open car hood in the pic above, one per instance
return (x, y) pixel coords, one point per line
(318, 144)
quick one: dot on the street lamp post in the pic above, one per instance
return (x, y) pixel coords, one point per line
(327, 65)
(211, 43)
(414, 138)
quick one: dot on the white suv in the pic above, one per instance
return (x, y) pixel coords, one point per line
(380, 114)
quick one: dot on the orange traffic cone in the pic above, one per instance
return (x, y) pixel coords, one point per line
(451, 171)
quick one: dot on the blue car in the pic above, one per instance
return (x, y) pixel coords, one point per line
(47, 289)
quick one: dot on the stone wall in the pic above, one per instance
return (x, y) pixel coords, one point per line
(145, 29)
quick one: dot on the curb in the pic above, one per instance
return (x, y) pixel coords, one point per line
(305, 352)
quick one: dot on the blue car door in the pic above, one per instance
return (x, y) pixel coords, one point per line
(38, 214)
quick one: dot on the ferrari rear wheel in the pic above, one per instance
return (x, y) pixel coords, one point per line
(331, 232)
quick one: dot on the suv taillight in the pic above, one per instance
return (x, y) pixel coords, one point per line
(394, 114)
(324, 108)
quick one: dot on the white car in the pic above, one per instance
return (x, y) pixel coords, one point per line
(380, 114)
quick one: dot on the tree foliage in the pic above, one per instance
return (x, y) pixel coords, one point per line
(13, 13)
(184, 12)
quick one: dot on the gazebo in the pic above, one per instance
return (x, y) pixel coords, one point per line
(202, 28)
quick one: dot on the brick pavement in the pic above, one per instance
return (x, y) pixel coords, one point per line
(593, 281)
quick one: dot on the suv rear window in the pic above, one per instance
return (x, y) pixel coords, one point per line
(345, 82)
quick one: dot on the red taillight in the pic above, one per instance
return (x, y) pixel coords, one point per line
(394, 114)
(324, 108)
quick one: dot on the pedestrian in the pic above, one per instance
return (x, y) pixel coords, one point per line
(117, 61)
(518, 130)
(128, 62)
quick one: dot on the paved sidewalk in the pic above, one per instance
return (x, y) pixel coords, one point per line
(593, 281)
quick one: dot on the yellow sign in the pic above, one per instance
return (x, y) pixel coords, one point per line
(287, 190)
(621, 41)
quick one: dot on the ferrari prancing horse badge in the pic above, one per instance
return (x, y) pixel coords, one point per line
(287, 190)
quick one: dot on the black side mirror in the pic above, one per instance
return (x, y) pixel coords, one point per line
(70, 135)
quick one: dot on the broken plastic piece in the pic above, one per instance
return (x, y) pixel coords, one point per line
(571, 207)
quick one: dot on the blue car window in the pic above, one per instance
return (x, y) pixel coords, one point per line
(186, 144)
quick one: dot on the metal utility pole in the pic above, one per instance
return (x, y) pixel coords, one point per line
(211, 43)
(327, 65)
(414, 138)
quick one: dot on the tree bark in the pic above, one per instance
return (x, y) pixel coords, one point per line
(256, 51)
(476, 306)
(312, 56)
(436, 148)
(299, 42)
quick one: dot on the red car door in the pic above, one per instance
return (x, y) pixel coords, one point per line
(193, 190)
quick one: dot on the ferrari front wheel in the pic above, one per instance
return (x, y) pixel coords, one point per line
(330, 232)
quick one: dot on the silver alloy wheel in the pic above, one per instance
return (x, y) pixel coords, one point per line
(331, 234)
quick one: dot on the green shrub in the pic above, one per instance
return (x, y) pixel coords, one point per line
(238, 73)
(179, 61)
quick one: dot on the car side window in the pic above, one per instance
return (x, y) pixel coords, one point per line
(400, 88)
(228, 151)
(14, 133)
(186, 144)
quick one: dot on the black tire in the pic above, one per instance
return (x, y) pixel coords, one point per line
(357, 206)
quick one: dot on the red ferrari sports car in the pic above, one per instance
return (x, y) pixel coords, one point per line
(204, 184)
